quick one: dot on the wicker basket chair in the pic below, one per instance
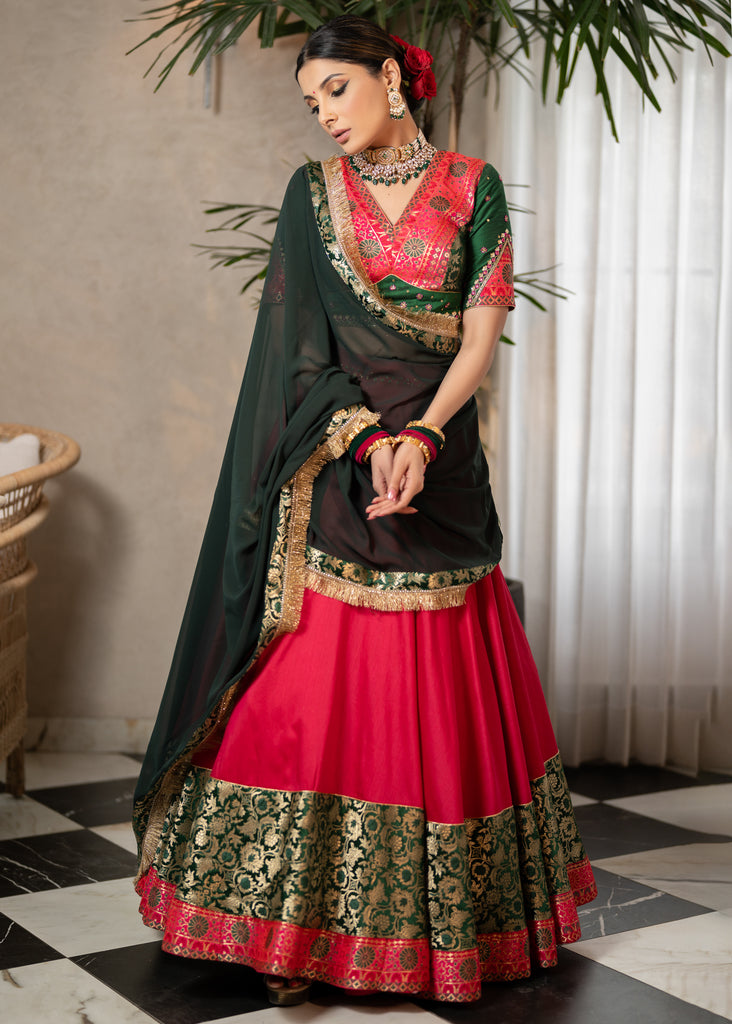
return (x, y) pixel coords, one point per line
(23, 506)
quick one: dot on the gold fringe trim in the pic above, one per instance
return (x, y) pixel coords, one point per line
(384, 600)
(169, 789)
(302, 493)
(340, 211)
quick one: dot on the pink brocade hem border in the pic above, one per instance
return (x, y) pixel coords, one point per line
(407, 966)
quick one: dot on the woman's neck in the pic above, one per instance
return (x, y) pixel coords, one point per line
(396, 134)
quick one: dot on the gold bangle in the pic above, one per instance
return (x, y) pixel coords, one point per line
(408, 439)
(361, 425)
(380, 442)
(427, 426)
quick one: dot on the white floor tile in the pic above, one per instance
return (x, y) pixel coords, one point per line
(307, 1013)
(581, 801)
(122, 835)
(62, 993)
(691, 959)
(700, 872)
(704, 808)
(43, 769)
(82, 918)
(25, 817)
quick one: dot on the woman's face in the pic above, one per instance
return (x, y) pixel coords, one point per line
(349, 102)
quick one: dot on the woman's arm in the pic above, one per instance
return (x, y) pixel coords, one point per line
(482, 328)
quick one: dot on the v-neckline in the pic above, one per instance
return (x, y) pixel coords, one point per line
(393, 226)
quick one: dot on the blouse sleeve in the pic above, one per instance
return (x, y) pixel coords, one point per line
(489, 257)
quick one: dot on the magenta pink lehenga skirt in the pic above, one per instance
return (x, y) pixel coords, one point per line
(386, 809)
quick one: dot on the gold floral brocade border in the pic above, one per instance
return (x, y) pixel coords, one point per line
(369, 896)
(321, 861)
(359, 585)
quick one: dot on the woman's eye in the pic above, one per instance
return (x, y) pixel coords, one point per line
(339, 92)
(314, 110)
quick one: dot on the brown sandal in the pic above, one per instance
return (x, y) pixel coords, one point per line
(288, 991)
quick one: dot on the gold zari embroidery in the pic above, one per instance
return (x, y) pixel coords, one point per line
(365, 869)
(384, 600)
(363, 587)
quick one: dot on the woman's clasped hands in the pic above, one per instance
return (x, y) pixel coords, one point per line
(397, 475)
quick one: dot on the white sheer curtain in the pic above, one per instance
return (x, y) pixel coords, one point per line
(614, 467)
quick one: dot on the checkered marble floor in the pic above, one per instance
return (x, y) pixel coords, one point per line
(656, 947)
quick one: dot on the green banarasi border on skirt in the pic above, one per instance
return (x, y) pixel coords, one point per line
(341, 865)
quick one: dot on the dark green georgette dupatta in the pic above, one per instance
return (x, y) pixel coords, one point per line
(288, 508)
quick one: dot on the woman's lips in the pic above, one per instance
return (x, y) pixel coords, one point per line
(342, 135)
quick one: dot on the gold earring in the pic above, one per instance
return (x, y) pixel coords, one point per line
(397, 107)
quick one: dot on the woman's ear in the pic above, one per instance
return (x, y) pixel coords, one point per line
(392, 74)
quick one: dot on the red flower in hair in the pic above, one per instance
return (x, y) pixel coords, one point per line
(418, 65)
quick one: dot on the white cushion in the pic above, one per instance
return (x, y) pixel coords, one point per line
(21, 452)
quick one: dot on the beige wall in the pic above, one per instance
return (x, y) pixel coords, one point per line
(113, 332)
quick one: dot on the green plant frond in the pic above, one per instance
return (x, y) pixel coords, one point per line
(534, 281)
(547, 64)
(638, 32)
(241, 214)
(636, 70)
(638, 18)
(601, 84)
(669, 67)
(596, 13)
(267, 26)
(611, 20)
(212, 26)
(228, 255)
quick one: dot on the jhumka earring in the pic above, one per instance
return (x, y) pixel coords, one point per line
(397, 108)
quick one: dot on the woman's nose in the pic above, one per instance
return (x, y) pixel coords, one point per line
(326, 116)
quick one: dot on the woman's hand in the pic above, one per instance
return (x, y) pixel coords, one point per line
(406, 480)
(381, 463)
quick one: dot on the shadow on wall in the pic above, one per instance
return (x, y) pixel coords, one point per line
(80, 551)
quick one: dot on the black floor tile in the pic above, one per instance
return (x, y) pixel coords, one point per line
(612, 832)
(614, 782)
(623, 905)
(19, 948)
(38, 863)
(577, 991)
(175, 990)
(90, 803)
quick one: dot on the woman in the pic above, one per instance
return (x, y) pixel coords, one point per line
(353, 776)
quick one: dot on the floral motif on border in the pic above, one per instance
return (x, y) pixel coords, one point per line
(279, 880)
(435, 331)
(351, 962)
(388, 591)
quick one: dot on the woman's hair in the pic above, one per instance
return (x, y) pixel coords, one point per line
(355, 41)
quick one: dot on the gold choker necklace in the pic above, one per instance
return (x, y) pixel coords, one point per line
(389, 165)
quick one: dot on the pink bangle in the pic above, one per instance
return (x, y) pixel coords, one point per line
(363, 448)
(419, 436)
